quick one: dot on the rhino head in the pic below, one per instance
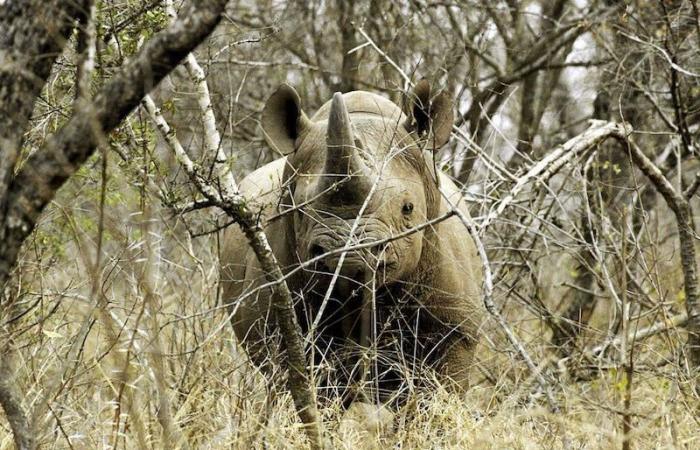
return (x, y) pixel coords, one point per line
(357, 175)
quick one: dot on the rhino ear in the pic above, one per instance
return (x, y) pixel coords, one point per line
(426, 114)
(283, 121)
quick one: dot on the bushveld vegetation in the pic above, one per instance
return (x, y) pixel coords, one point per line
(575, 143)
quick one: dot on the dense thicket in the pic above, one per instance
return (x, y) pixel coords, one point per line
(111, 329)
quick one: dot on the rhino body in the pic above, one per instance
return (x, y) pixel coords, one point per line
(361, 156)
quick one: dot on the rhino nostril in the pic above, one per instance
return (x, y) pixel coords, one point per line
(376, 250)
(359, 276)
(316, 250)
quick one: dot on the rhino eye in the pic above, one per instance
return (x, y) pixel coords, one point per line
(407, 208)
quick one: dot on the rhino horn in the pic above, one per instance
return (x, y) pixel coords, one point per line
(342, 157)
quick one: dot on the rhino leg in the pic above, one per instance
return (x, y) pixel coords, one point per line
(455, 363)
(251, 315)
(256, 338)
(455, 329)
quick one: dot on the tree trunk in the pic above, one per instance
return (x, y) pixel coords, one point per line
(348, 39)
(34, 34)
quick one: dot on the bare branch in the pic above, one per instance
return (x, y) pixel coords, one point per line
(487, 292)
(693, 188)
(686, 237)
(233, 204)
(639, 335)
(62, 154)
(11, 403)
(548, 166)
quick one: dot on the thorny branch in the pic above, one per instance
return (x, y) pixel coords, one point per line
(545, 169)
(25, 194)
(686, 239)
(228, 199)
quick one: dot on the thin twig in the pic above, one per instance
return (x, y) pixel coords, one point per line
(639, 335)
(492, 309)
(229, 200)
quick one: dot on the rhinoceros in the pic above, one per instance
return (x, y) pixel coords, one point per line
(351, 178)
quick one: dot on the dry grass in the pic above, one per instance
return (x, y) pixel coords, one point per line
(103, 390)
(135, 351)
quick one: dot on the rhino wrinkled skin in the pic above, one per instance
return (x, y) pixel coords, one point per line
(361, 153)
